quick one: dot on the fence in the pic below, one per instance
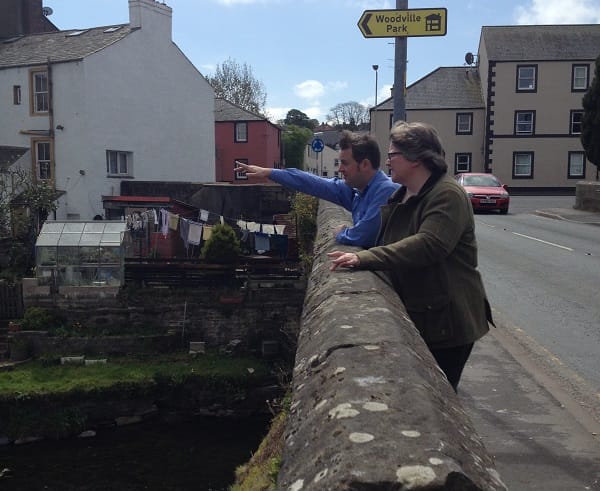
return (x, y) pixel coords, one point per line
(11, 301)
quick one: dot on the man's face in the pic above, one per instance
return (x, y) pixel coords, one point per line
(353, 172)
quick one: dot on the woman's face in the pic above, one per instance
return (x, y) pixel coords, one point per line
(398, 164)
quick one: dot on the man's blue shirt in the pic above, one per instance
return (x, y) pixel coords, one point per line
(363, 205)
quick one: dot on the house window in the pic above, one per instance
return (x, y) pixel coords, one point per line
(524, 122)
(16, 95)
(522, 165)
(464, 123)
(119, 163)
(575, 122)
(238, 176)
(43, 160)
(39, 92)
(526, 78)
(576, 165)
(241, 132)
(579, 78)
(462, 162)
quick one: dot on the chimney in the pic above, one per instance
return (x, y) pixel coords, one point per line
(151, 15)
(21, 17)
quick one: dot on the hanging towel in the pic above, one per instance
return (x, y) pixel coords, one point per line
(204, 215)
(268, 229)
(173, 221)
(194, 233)
(279, 229)
(206, 232)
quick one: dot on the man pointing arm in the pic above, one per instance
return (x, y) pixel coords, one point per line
(363, 189)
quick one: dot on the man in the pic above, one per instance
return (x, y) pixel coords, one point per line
(363, 189)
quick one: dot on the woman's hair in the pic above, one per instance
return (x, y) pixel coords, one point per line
(363, 146)
(420, 141)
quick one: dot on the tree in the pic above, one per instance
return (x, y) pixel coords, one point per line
(237, 84)
(298, 118)
(223, 246)
(590, 122)
(294, 140)
(348, 115)
(24, 205)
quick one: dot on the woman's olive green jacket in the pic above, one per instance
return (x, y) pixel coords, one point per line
(428, 249)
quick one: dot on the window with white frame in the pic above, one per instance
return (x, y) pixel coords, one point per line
(241, 132)
(43, 160)
(39, 91)
(240, 175)
(464, 123)
(575, 122)
(119, 163)
(526, 78)
(576, 165)
(580, 78)
(462, 162)
(522, 165)
(524, 122)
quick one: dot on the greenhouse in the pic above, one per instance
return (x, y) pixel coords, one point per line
(77, 253)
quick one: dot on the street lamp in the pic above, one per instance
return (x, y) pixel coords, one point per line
(375, 67)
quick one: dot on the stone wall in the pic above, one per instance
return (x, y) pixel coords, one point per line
(245, 318)
(587, 196)
(370, 407)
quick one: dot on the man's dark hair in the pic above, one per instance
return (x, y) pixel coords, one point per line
(363, 146)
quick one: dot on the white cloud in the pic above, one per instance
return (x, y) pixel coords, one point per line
(309, 89)
(274, 114)
(559, 12)
(313, 112)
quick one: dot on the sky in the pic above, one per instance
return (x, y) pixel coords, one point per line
(310, 54)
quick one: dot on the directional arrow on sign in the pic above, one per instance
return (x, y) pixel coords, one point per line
(364, 23)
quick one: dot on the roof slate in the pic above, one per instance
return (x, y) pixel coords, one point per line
(228, 111)
(444, 88)
(541, 43)
(37, 49)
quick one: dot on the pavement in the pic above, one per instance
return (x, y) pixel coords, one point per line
(539, 421)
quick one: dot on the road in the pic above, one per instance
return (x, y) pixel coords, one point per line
(541, 276)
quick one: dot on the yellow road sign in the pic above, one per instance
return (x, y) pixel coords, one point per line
(403, 23)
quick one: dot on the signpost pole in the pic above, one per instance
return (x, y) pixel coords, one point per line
(400, 71)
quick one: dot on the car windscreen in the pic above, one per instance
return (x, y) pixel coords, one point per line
(490, 181)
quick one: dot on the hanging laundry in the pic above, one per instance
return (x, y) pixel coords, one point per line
(184, 228)
(204, 215)
(279, 229)
(194, 233)
(173, 221)
(206, 232)
(279, 244)
(268, 229)
(164, 219)
(261, 242)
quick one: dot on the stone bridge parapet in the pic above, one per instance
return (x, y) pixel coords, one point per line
(370, 408)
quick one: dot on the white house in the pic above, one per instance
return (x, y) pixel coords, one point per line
(91, 108)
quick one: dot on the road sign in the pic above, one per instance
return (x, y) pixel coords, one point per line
(317, 145)
(403, 23)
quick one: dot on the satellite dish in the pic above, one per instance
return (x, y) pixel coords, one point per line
(469, 58)
(47, 11)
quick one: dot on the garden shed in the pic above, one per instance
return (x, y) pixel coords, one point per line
(80, 253)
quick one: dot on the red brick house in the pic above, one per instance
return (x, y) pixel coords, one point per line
(244, 136)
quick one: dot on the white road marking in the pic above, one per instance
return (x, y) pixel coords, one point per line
(544, 241)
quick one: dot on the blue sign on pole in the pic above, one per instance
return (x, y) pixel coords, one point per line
(317, 145)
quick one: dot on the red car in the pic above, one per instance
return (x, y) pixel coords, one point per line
(485, 191)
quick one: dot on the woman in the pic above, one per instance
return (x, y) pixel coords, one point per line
(427, 245)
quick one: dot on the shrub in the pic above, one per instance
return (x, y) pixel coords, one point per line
(39, 319)
(223, 247)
